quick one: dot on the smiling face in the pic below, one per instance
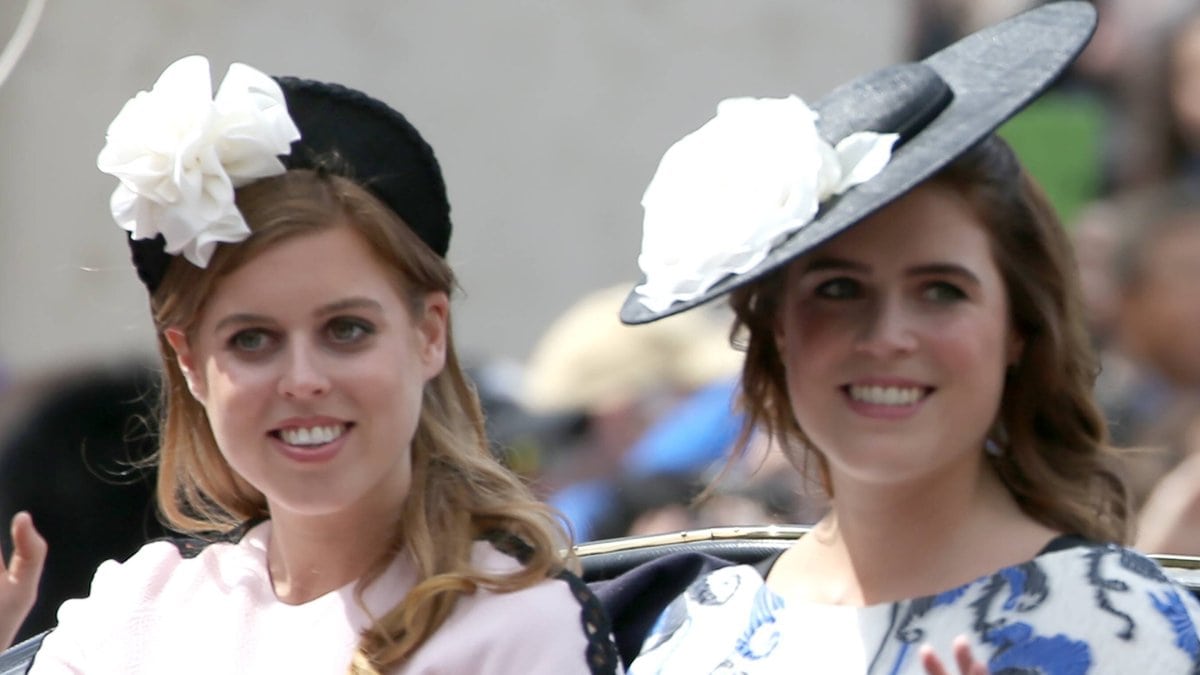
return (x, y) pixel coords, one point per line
(895, 337)
(310, 363)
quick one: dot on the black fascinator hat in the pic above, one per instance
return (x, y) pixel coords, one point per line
(381, 149)
(256, 126)
(927, 114)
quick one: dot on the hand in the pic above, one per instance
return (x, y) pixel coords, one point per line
(967, 665)
(19, 578)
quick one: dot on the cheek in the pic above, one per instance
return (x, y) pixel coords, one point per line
(809, 340)
(389, 409)
(235, 394)
(393, 385)
(978, 336)
(810, 348)
(975, 354)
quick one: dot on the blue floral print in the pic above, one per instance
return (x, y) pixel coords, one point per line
(1083, 609)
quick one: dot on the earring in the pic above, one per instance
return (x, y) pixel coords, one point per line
(996, 443)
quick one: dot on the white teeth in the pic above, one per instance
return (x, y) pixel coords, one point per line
(312, 435)
(877, 395)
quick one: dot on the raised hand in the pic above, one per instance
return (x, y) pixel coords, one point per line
(967, 665)
(19, 577)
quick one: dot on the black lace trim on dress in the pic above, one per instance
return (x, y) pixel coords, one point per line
(192, 546)
(602, 658)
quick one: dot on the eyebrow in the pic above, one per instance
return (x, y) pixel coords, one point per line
(825, 264)
(948, 269)
(348, 304)
(358, 303)
(937, 268)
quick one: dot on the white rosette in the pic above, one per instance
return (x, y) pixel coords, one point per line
(727, 193)
(179, 153)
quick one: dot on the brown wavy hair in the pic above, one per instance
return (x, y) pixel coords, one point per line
(1057, 463)
(460, 492)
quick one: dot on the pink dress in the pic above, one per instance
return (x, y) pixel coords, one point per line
(216, 612)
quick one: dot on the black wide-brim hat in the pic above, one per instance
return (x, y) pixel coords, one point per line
(346, 132)
(940, 107)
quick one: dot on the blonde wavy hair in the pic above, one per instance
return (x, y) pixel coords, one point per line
(459, 490)
(1056, 463)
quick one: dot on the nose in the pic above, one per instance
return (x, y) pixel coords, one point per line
(304, 376)
(887, 330)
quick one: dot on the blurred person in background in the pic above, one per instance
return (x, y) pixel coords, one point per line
(1152, 360)
(693, 448)
(756, 487)
(526, 441)
(623, 381)
(1149, 384)
(1169, 97)
(1099, 130)
(1095, 234)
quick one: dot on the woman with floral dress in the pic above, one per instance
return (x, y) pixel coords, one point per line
(907, 302)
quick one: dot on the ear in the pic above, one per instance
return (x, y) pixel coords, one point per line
(778, 336)
(432, 328)
(184, 357)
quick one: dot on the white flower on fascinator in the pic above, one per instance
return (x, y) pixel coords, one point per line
(179, 153)
(727, 193)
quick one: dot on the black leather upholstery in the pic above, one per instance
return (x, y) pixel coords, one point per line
(607, 565)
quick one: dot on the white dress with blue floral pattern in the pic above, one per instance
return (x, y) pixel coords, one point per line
(1080, 610)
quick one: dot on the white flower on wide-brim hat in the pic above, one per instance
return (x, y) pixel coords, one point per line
(179, 153)
(727, 193)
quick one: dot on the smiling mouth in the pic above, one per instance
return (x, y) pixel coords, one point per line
(311, 437)
(881, 395)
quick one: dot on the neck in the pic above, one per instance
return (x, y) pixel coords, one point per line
(881, 544)
(309, 556)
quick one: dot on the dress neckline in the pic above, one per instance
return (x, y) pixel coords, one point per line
(1060, 543)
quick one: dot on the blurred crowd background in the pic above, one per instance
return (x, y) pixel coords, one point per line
(549, 119)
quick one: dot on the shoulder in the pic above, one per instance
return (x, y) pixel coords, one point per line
(1084, 569)
(1140, 582)
(556, 594)
(1104, 603)
(1103, 567)
(127, 599)
(176, 563)
(140, 577)
(166, 566)
(560, 624)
